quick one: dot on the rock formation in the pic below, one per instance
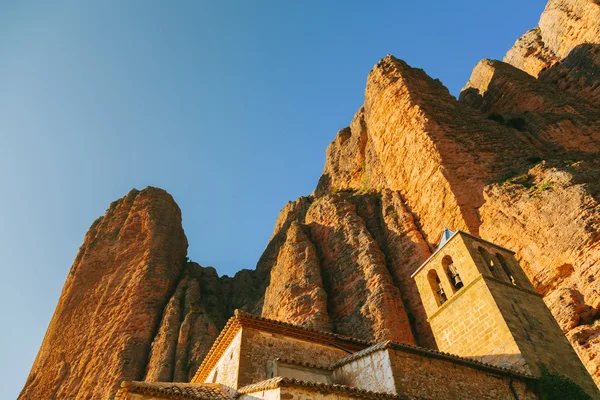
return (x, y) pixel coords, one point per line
(563, 26)
(112, 301)
(515, 160)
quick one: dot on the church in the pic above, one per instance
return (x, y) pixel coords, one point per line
(493, 331)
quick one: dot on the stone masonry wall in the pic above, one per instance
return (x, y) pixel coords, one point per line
(259, 348)
(371, 372)
(538, 335)
(296, 393)
(471, 325)
(226, 370)
(422, 377)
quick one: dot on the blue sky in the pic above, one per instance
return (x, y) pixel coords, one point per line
(228, 105)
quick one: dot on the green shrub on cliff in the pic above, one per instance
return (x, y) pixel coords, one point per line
(552, 386)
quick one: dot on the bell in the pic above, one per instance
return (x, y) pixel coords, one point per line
(457, 281)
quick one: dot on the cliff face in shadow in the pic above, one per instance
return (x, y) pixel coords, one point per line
(515, 160)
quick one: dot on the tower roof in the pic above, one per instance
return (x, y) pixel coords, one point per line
(446, 235)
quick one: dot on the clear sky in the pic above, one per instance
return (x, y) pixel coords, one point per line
(228, 105)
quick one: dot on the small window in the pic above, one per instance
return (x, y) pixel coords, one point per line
(436, 287)
(489, 262)
(506, 268)
(452, 273)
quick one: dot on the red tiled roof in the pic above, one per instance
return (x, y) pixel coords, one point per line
(388, 344)
(176, 390)
(278, 382)
(245, 319)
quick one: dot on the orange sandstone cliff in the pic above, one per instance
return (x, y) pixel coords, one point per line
(516, 160)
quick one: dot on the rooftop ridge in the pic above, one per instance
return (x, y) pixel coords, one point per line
(430, 353)
(278, 382)
(242, 314)
(241, 318)
(208, 391)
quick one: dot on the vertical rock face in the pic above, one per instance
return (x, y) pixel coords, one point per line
(363, 301)
(338, 268)
(564, 25)
(193, 318)
(112, 301)
(556, 121)
(295, 293)
(530, 54)
(414, 137)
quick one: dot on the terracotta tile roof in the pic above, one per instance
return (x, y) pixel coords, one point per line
(303, 364)
(243, 319)
(176, 390)
(432, 354)
(279, 382)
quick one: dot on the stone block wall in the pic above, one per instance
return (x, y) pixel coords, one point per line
(371, 372)
(467, 268)
(299, 393)
(259, 348)
(424, 377)
(473, 246)
(226, 371)
(471, 325)
(538, 335)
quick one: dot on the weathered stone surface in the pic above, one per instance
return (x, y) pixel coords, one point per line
(194, 316)
(530, 54)
(191, 322)
(564, 25)
(578, 75)
(424, 143)
(586, 341)
(361, 293)
(553, 120)
(295, 293)
(112, 301)
(569, 308)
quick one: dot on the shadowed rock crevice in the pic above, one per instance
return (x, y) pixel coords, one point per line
(359, 287)
(295, 293)
(558, 122)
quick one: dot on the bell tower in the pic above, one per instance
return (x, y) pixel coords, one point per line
(481, 305)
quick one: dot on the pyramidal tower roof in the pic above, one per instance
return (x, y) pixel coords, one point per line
(446, 235)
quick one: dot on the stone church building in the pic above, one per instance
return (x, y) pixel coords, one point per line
(493, 330)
